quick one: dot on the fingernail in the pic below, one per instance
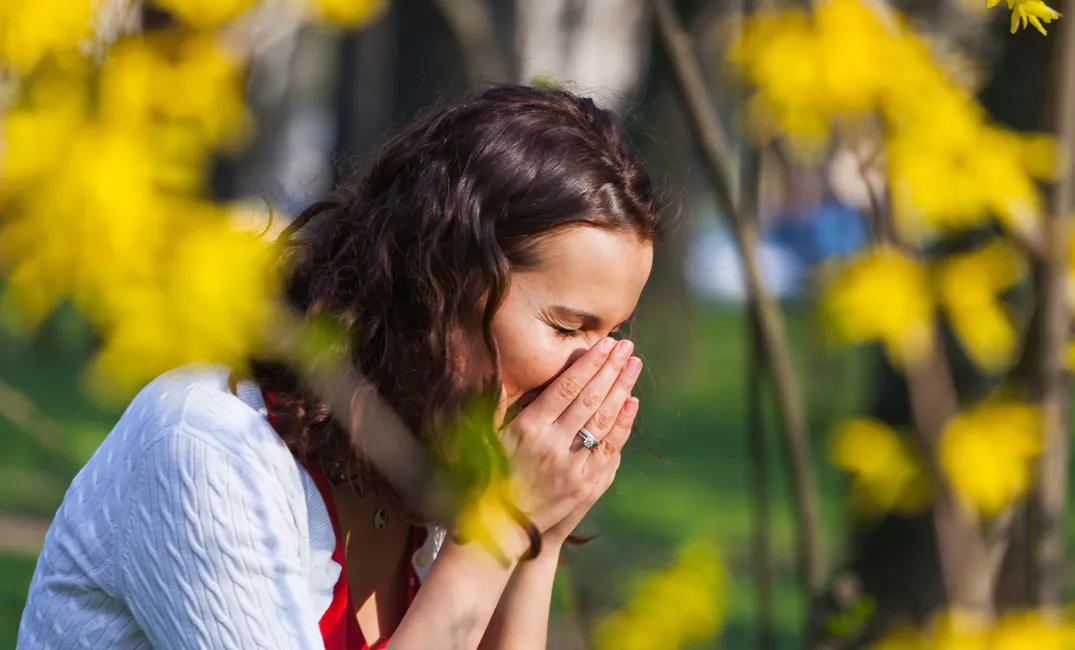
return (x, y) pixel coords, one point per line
(630, 407)
(624, 348)
(634, 365)
(606, 345)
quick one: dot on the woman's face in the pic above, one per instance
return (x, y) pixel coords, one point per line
(586, 286)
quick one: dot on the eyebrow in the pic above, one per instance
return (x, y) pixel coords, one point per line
(591, 319)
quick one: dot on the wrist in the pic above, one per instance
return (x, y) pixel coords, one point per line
(487, 524)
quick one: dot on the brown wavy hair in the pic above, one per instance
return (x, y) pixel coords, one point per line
(414, 254)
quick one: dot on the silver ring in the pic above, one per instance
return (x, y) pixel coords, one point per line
(588, 441)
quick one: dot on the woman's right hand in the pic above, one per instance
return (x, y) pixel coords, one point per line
(553, 475)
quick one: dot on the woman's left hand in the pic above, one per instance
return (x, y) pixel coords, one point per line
(612, 422)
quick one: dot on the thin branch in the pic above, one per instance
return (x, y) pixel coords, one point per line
(761, 551)
(1048, 548)
(964, 556)
(471, 22)
(691, 85)
(21, 411)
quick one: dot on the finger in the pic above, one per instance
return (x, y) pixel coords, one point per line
(593, 395)
(621, 431)
(555, 399)
(605, 416)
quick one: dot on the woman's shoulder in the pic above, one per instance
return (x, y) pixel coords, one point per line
(196, 401)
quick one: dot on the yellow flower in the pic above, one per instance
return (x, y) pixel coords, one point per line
(888, 472)
(902, 638)
(1034, 12)
(192, 82)
(350, 13)
(215, 293)
(1027, 630)
(36, 133)
(91, 228)
(988, 454)
(967, 286)
(882, 296)
(841, 63)
(959, 630)
(205, 14)
(949, 170)
(679, 607)
(30, 30)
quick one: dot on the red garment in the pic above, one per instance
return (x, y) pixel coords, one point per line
(339, 625)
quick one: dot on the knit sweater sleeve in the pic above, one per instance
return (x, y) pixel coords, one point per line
(212, 551)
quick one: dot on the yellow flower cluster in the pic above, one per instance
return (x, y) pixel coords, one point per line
(882, 295)
(967, 287)
(31, 30)
(102, 175)
(100, 204)
(680, 607)
(350, 13)
(987, 455)
(205, 14)
(1016, 630)
(887, 471)
(849, 64)
(887, 296)
(1034, 12)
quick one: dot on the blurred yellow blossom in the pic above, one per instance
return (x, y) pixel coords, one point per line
(681, 606)
(958, 630)
(214, 295)
(988, 454)
(32, 29)
(844, 61)
(37, 131)
(953, 171)
(190, 80)
(967, 286)
(1034, 12)
(888, 472)
(88, 229)
(1028, 630)
(350, 13)
(881, 295)
(902, 638)
(954, 630)
(205, 14)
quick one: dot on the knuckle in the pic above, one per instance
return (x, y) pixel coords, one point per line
(569, 388)
(591, 400)
(602, 420)
(579, 492)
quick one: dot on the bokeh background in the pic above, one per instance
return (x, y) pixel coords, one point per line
(320, 97)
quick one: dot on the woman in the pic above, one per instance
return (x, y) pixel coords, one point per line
(495, 243)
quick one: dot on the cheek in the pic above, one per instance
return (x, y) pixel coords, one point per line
(528, 362)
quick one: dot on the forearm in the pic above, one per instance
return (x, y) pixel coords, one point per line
(458, 598)
(521, 620)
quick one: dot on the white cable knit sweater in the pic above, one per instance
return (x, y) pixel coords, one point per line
(191, 527)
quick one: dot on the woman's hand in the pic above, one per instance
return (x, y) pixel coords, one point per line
(555, 479)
